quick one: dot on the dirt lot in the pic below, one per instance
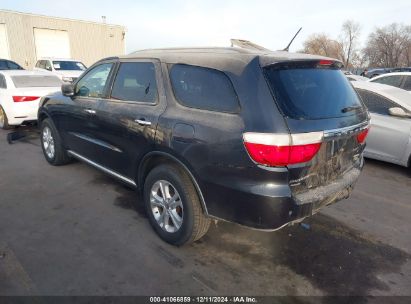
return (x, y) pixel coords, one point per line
(72, 230)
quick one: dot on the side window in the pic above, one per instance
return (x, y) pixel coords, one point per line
(394, 80)
(3, 84)
(203, 88)
(376, 103)
(94, 82)
(12, 65)
(135, 81)
(3, 65)
(407, 83)
(47, 65)
(41, 64)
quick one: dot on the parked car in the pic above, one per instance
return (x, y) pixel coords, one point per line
(6, 64)
(68, 70)
(249, 137)
(400, 80)
(389, 138)
(20, 93)
(377, 72)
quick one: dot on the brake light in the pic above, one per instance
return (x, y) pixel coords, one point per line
(325, 62)
(24, 98)
(282, 149)
(362, 136)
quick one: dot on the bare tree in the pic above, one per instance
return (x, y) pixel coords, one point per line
(348, 41)
(322, 44)
(389, 46)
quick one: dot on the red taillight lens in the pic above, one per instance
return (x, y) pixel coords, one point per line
(325, 62)
(275, 150)
(362, 136)
(24, 98)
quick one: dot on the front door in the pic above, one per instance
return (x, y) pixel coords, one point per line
(128, 118)
(78, 125)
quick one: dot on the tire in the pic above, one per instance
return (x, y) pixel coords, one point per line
(186, 211)
(4, 122)
(51, 144)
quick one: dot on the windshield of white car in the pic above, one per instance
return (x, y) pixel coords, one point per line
(30, 81)
(68, 66)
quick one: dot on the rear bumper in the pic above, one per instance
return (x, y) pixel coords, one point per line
(21, 112)
(272, 206)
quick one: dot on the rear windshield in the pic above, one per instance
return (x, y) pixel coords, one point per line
(312, 93)
(30, 81)
(68, 66)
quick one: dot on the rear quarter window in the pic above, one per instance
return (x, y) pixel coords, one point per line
(35, 81)
(203, 88)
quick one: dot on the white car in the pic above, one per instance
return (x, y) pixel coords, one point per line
(389, 138)
(68, 70)
(400, 80)
(352, 77)
(20, 93)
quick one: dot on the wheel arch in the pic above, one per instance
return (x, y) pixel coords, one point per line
(42, 115)
(154, 158)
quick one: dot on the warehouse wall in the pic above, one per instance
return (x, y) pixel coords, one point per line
(89, 41)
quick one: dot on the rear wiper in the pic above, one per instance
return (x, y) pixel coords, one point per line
(349, 109)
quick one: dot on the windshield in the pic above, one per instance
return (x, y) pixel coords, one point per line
(312, 93)
(30, 81)
(68, 66)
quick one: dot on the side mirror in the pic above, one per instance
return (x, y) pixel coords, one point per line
(67, 89)
(399, 112)
(48, 68)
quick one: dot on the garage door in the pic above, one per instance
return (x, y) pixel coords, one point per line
(4, 44)
(51, 43)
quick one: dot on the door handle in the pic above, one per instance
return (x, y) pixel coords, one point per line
(90, 111)
(143, 122)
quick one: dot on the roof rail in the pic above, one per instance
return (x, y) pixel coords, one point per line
(245, 44)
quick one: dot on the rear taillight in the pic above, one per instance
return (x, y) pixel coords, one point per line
(362, 136)
(24, 98)
(282, 149)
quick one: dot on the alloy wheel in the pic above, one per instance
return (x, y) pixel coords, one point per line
(48, 142)
(2, 118)
(166, 206)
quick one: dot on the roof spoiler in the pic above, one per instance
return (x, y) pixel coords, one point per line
(245, 44)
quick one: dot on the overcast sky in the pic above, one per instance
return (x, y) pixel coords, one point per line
(161, 23)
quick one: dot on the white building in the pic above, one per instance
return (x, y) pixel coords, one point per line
(24, 38)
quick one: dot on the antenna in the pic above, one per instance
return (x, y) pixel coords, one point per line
(288, 46)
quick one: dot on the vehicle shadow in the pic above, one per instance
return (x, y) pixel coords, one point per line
(331, 255)
(387, 168)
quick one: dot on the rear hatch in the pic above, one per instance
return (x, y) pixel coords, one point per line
(320, 108)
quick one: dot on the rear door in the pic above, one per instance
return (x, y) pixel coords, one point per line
(315, 96)
(78, 120)
(127, 120)
(389, 135)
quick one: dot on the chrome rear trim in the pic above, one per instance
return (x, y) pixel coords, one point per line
(102, 168)
(346, 130)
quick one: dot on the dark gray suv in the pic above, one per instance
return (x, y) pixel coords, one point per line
(257, 138)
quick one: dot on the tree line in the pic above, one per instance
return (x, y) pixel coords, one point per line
(387, 46)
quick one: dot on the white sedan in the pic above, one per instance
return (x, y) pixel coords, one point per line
(389, 138)
(400, 80)
(20, 93)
